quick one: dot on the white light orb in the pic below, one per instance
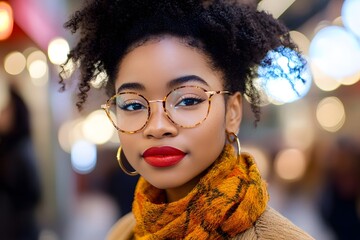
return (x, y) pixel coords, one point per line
(83, 156)
(38, 69)
(58, 50)
(350, 16)
(284, 75)
(336, 52)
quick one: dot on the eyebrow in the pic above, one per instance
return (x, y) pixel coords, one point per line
(185, 79)
(131, 86)
(171, 84)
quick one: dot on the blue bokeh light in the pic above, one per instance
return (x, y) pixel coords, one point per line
(83, 156)
(350, 16)
(284, 75)
(336, 52)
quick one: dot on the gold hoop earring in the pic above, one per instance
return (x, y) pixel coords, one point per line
(232, 137)
(118, 157)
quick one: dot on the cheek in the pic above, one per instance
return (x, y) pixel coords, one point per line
(209, 137)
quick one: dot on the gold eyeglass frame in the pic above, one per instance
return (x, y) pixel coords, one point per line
(210, 94)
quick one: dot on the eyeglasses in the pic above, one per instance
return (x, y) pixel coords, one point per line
(185, 106)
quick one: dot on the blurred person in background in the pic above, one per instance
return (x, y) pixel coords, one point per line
(19, 182)
(340, 201)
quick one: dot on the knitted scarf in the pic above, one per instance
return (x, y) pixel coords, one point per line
(228, 199)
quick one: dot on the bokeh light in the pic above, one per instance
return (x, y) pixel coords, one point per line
(38, 69)
(330, 114)
(34, 55)
(6, 20)
(336, 52)
(97, 128)
(277, 9)
(261, 158)
(297, 124)
(323, 81)
(14, 63)
(301, 40)
(350, 15)
(69, 133)
(284, 75)
(338, 22)
(350, 80)
(83, 156)
(58, 50)
(37, 66)
(290, 164)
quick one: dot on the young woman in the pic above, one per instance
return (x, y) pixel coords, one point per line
(177, 71)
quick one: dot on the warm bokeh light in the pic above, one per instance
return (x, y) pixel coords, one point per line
(261, 158)
(297, 123)
(275, 9)
(350, 14)
(290, 164)
(350, 80)
(330, 114)
(34, 55)
(58, 50)
(14, 63)
(83, 156)
(97, 128)
(336, 52)
(338, 22)
(38, 69)
(6, 20)
(301, 40)
(69, 133)
(37, 66)
(323, 81)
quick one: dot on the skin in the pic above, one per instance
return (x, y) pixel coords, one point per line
(152, 67)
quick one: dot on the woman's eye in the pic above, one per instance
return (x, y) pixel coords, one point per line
(131, 106)
(190, 101)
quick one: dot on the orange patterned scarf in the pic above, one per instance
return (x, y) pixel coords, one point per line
(225, 202)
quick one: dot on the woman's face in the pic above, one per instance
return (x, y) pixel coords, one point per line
(153, 70)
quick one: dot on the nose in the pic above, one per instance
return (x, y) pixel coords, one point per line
(159, 124)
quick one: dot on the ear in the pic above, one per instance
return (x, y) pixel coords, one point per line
(234, 112)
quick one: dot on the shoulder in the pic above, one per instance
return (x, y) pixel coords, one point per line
(273, 226)
(122, 229)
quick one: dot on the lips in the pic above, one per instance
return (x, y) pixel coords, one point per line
(163, 156)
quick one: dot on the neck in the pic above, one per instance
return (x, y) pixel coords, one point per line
(175, 194)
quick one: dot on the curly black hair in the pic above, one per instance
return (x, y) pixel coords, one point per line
(235, 37)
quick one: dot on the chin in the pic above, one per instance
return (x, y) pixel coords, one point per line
(165, 185)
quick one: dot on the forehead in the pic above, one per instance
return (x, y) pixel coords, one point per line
(159, 60)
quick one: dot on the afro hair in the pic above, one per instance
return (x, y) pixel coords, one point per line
(234, 36)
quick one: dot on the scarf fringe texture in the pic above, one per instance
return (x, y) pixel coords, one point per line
(228, 199)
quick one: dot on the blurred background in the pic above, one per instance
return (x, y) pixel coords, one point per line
(59, 178)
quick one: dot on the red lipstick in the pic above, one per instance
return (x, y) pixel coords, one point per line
(163, 156)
